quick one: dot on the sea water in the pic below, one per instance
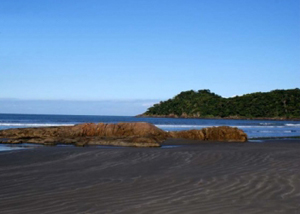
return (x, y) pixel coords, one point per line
(253, 128)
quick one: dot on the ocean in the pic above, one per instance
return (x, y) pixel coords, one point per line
(253, 128)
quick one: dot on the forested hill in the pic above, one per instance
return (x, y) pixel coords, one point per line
(277, 104)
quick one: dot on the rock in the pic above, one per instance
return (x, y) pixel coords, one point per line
(121, 134)
(221, 133)
(125, 134)
(189, 134)
(224, 133)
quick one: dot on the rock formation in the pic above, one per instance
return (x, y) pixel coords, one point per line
(221, 133)
(121, 134)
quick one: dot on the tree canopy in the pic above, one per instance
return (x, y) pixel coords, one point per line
(205, 104)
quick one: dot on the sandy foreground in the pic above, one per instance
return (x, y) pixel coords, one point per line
(203, 178)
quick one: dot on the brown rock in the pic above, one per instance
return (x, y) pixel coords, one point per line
(122, 134)
(125, 134)
(139, 129)
(224, 133)
(221, 133)
(189, 134)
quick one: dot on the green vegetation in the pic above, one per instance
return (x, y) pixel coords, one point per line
(280, 104)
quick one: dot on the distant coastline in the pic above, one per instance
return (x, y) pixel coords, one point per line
(204, 104)
(219, 118)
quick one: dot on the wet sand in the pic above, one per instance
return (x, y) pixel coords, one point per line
(204, 178)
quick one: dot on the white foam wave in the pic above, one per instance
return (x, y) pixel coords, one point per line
(179, 126)
(34, 124)
(266, 131)
(273, 131)
(164, 126)
(260, 127)
(167, 126)
(264, 124)
(292, 124)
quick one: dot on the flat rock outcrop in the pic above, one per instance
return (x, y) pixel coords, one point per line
(139, 134)
(121, 134)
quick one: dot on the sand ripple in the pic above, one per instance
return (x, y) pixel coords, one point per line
(207, 178)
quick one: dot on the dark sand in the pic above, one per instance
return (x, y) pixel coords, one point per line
(204, 178)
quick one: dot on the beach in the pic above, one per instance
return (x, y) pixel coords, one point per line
(180, 177)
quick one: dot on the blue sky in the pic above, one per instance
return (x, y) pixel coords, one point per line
(141, 51)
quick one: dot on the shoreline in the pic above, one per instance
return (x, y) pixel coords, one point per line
(167, 144)
(216, 118)
(275, 138)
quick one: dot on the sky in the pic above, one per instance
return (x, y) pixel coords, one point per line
(118, 57)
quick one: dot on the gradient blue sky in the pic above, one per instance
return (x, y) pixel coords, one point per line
(142, 51)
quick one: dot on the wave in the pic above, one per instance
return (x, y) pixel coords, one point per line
(162, 126)
(260, 127)
(267, 124)
(179, 126)
(249, 129)
(278, 124)
(273, 131)
(210, 125)
(35, 124)
(292, 124)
